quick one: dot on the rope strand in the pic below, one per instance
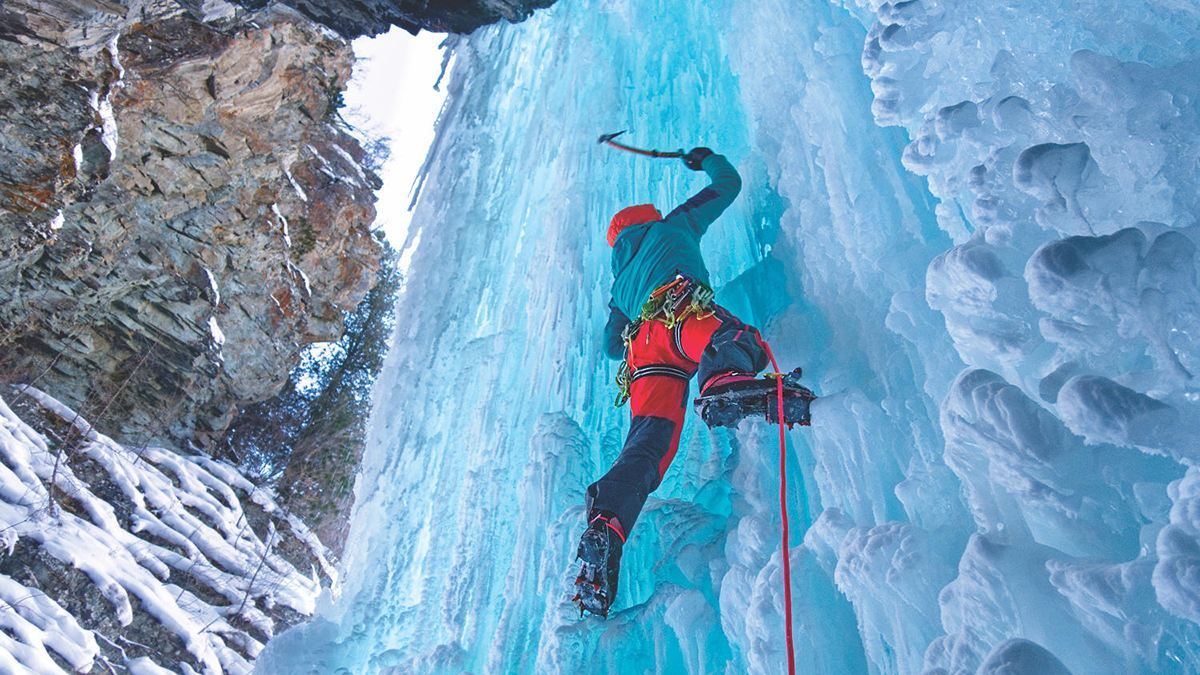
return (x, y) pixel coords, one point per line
(783, 508)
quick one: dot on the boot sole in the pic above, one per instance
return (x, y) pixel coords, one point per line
(730, 408)
(589, 585)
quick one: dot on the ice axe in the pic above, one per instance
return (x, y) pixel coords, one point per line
(608, 139)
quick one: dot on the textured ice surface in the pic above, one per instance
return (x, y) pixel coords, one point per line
(974, 225)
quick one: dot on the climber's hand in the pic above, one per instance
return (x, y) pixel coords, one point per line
(696, 157)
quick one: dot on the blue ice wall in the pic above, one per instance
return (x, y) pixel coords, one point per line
(973, 225)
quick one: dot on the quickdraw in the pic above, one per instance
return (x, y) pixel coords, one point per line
(624, 381)
(669, 304)
(673, 302)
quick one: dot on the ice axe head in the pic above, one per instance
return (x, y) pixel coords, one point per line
(608, 137)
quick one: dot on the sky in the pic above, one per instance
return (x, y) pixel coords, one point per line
(392, 95)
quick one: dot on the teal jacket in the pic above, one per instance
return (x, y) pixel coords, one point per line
(649, 255)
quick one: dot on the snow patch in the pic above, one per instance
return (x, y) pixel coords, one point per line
(346, 157)
(283, 224)
(32, 623)
(295, 186)
(102, 106)
(214, 291)
(186, 521)
(215, 330)
(327, 167)
(303, 278)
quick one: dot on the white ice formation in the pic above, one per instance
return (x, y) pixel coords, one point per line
(974, 225)
(138, 542)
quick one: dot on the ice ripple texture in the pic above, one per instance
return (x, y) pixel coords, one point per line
(974, 224)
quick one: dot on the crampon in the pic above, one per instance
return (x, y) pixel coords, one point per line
(600, 563)
(727, 404)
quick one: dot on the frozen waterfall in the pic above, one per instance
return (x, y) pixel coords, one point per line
(973, 224)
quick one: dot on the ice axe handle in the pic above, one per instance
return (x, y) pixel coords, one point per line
(609, 140)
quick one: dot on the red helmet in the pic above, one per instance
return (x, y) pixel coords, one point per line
(633, 215)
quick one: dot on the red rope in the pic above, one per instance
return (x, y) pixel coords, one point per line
(783, 509)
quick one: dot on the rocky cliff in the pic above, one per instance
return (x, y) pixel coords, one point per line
(179, 210)
(355, 18)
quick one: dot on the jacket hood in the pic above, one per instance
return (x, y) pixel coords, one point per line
(632, 215)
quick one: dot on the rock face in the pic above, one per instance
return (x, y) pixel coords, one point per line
(355, 18)
(179, 210)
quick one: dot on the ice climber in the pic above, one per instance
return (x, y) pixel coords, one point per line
(663, 321)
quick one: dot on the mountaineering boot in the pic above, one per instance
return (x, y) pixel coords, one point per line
(600, 555)
(727, 399)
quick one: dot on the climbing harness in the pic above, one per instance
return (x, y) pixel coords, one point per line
(669, 304)
(608, 140)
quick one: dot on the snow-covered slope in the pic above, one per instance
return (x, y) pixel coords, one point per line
(136, 558)
(973, 224)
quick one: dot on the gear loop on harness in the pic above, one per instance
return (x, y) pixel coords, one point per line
(670, 304)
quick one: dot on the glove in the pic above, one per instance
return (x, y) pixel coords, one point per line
(696, 157)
